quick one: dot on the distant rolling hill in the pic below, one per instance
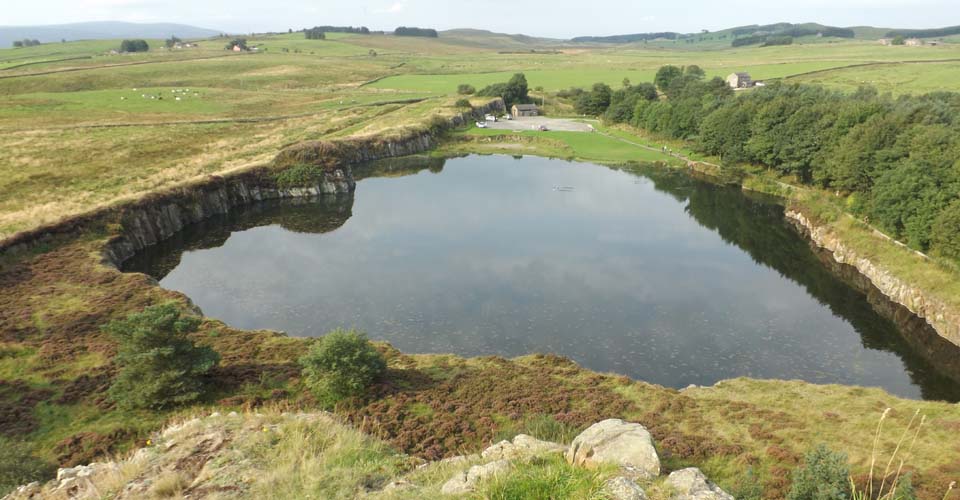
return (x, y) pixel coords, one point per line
(100, 31)
(777, 29)
(492, 40)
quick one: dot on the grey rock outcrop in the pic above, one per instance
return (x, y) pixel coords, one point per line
(942, 318)
(613, 441)
(465, 482)
(521, 446)
(621, 488)
(691, 484)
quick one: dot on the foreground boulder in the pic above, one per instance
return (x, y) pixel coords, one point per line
(613, 441)
(691, 484)
(465, 482)
(621, 488)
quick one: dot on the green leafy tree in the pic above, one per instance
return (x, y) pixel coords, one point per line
(515, 91)
(624, 101)
(946, 232)
(159, 365)
(314, 34)
(899, 40)
(595, 102)
(695, 72)
(463, 103)
(466, 89)
(823, 476)
(906, 201)
(666, 75)
(171, 42)
(238, 42)
(341, 365)
(134, 46)
(725, 132)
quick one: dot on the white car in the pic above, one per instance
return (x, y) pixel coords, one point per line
(490, 118)
(508, 117)
(481, 124)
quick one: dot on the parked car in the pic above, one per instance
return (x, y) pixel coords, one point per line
(481, 124)
(508, 116)
(542, 128)
(490, 118)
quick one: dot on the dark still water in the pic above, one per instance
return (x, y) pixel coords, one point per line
(652, 274)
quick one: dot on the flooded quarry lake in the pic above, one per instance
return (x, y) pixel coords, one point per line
(647, 273)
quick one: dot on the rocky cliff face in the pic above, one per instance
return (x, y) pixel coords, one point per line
(941, 318)
(156, 217)
(155, 220)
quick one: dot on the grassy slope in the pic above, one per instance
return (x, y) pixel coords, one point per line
(310, 89)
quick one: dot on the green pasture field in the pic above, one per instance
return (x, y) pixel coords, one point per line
(899, 78)
(554, 80)
(580, 145)
(252, 104)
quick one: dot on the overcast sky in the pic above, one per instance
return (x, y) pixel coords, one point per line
(554, 18)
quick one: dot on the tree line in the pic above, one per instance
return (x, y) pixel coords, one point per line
(362, 30)
(314, 34)
(409, 31)
(26, 42)
(927, 33)
(895, 158)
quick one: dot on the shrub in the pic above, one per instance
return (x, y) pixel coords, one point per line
(546, 477)
(18, 466)
(159, 365)
(823, 476)
(465, 89)
(300, 176)
(463, 103)
(341, 365)
(748, 487)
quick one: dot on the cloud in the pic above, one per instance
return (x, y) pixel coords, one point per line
(395, 8)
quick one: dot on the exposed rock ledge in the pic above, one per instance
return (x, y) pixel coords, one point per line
(943, 320)
(159, 215)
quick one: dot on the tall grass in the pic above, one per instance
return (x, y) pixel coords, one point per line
(320, 460)
(893, 486)
(548, 477)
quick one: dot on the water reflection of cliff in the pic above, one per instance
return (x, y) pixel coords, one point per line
(301, 215)
(759, 229)
(304, 215)
(398, 167)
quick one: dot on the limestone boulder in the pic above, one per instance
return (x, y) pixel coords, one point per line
(621, 488)
(613, 441)
(465, 482)
(521, 446)
(691, 484)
